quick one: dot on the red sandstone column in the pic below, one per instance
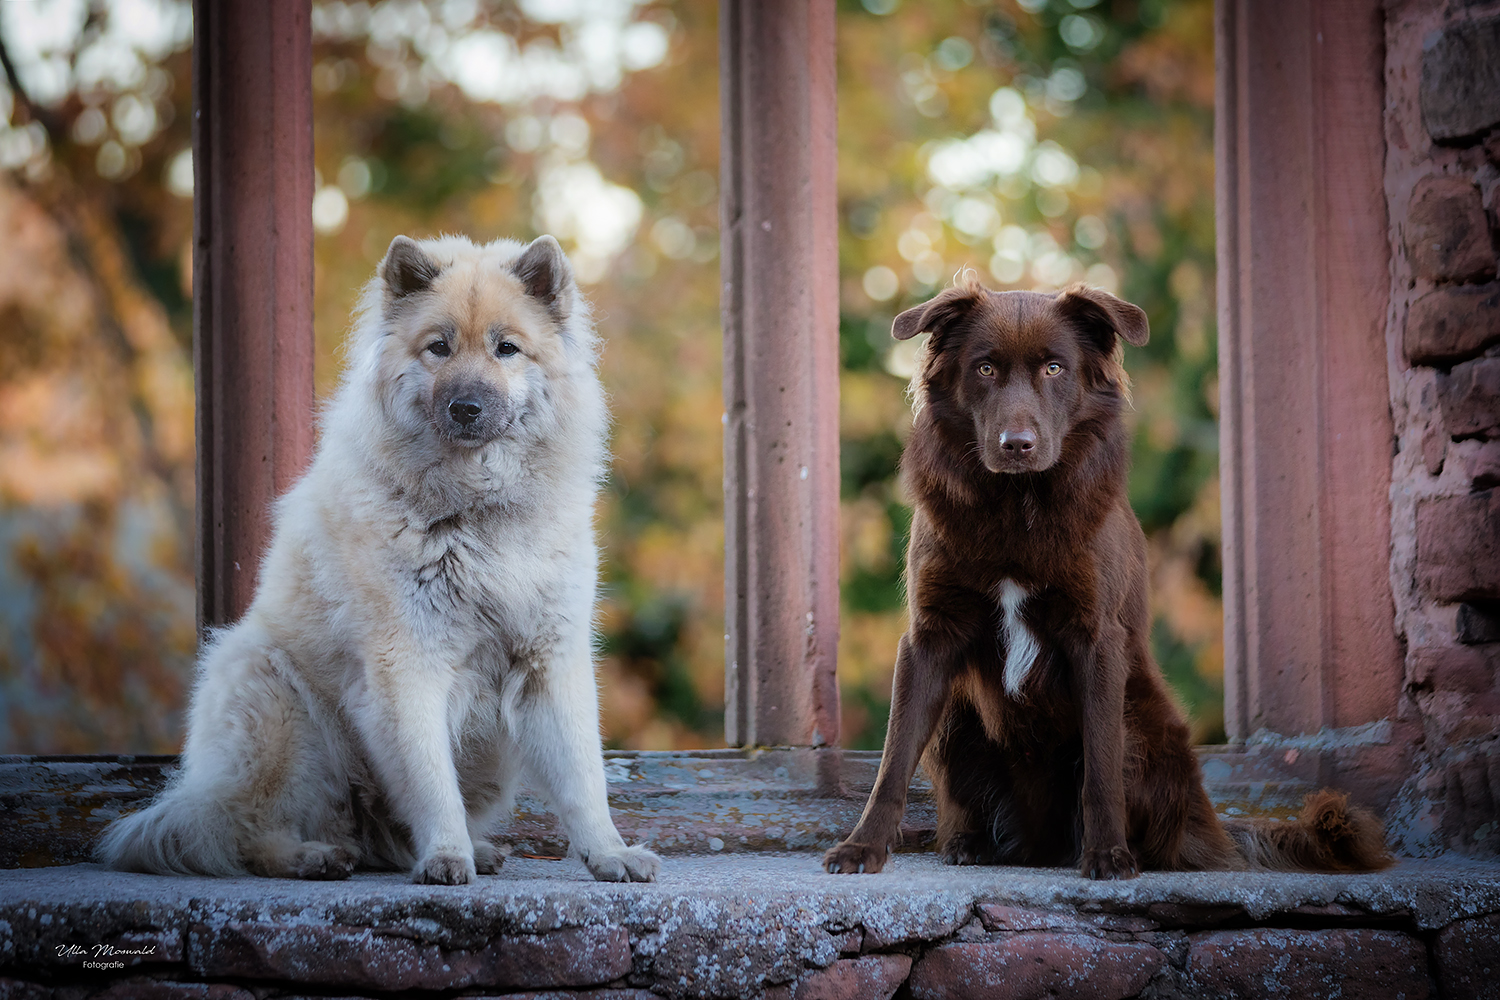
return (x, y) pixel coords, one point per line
(252, 277)
(780, 309)
(1306, 434)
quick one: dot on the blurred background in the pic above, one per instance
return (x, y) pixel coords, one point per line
(1038, 141)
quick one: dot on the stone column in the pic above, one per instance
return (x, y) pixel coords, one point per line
(1306, 433)
(780, 308)
(252, 281)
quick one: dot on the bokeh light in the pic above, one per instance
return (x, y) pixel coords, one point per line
(1038, 142)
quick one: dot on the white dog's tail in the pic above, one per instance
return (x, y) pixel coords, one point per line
(181, 833)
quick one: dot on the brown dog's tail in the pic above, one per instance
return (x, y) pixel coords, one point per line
(1330, 836)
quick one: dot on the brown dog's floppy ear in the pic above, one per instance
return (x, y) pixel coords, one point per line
(406, 269)
(545, 272)
(910, 323)
(1095, 307)
(933, 316)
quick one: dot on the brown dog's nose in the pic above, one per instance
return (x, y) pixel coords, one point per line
(464, 411)
(1020, 441)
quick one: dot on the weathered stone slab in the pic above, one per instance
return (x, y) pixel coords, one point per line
(708, 800)
(998, 917)
(1468, 959)
(1256, 964)
(152, 989)
(362, 958)
(705, 801)
(731, 926)
(1033, 966)
(606, 994)
(1189, 914)
(19, 989)
(874, 977)
(1460, 91)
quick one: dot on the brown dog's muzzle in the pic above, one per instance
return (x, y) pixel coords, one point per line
(1018, 443)
(1014, 448)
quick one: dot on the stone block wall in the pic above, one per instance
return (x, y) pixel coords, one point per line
(1442, 185)
(756, 927)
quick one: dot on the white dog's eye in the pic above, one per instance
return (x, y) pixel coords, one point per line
(986, 369)
(440, 348)
(1053, 368)
(506, 349)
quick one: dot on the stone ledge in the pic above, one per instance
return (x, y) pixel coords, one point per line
(731, 800)
(754, 925)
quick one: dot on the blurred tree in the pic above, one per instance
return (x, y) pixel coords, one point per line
(96, 478)
(1039, 143)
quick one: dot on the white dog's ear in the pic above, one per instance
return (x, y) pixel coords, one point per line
(546, 274)
(406, 269)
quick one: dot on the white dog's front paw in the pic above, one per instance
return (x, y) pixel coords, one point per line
(488, 857)
(444, 868)
(626, 864)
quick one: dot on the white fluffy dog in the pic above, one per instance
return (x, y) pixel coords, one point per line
(421, 632)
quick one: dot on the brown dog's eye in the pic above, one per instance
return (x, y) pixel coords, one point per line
(506, 349)
(440, 348)
(986, 369)
(1053, 368)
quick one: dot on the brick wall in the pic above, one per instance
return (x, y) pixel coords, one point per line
(1442, 182)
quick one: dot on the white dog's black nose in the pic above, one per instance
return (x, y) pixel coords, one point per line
(464, 411)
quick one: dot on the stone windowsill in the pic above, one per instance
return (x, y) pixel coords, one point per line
(735, 914)
(702, 800)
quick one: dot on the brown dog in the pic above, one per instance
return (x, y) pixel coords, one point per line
(1026, 675)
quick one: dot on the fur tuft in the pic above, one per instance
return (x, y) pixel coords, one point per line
(1114, 370)
(178, 834)
(1330, 835)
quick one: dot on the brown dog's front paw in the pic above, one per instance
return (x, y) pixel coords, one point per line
(968, 849)
(1113, 862)
(850, 858)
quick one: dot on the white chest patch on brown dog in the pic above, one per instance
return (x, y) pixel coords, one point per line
(1021, 647)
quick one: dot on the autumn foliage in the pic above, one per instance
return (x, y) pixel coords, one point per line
(1038, 142)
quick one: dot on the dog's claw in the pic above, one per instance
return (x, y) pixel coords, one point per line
(968, 849)
(624, 864)
(850, 858)
(445, 868)
(1112, 863)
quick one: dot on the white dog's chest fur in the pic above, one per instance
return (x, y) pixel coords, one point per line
(487, 578)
